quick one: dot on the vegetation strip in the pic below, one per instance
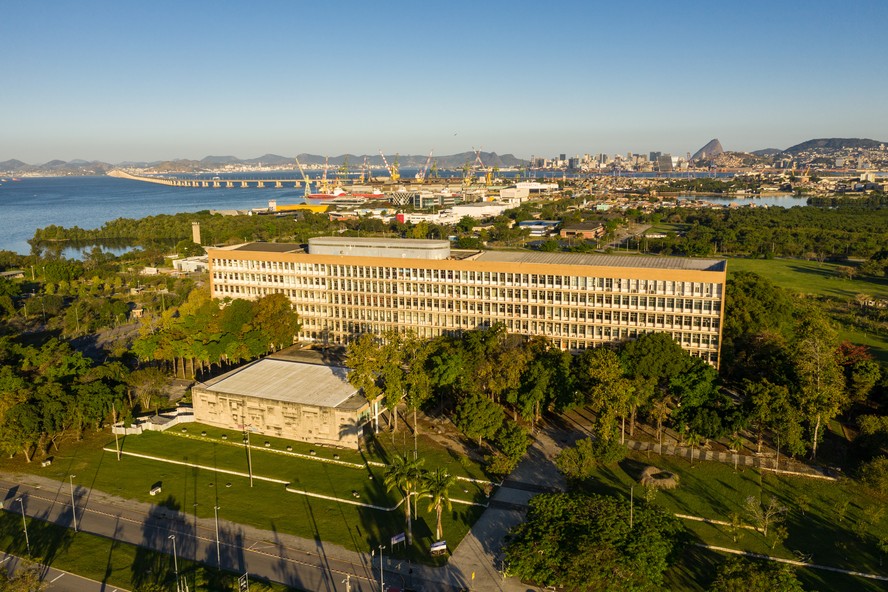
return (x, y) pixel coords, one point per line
(793, 562)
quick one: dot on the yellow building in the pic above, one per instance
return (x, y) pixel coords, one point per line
(345, 286)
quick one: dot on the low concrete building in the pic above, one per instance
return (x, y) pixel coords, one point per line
(584, 230)
(288, 399)
(192, 264)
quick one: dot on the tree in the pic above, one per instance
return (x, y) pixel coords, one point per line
(187, 248)
(478, 417)
(148, 384)
(405, 475)
(580, 460)
(751, 575)
(764, 514)
(584, 542)
(820, 380)
(436, 485)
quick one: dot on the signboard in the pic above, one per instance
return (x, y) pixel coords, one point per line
(438, 548)
(399, 538)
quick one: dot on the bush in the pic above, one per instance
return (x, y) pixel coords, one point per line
(875, 474)
(581, 460)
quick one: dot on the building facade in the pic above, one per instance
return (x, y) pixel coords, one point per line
(287, 399)
(342, 287)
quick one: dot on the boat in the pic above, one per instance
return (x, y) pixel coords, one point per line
(341, 197)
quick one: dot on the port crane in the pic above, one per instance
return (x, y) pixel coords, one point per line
(306, 180)
(393, 169)
(421, 174)
(488, 172)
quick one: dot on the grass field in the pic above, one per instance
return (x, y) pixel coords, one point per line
(195, 491)
(811, 277)
(821, 279)
(114, 563)
(828, 523)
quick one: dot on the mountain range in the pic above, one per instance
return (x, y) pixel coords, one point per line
(82, 167)
(825, 146)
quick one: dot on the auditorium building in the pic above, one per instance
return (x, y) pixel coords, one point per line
(344, 286)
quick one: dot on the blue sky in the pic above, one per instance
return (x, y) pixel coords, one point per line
(119, 81)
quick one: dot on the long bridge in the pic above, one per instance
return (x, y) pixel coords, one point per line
(214, 182)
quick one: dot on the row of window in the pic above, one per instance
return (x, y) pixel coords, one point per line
(307, 271)
(449, 298)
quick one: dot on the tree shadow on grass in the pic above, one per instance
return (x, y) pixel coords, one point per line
(153, 562)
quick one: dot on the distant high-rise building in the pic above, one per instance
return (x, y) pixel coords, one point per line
(562, 157)
(664, 163)
(573, 163)
(653, 156)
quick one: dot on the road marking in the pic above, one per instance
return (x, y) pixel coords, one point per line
(5, 559)
(53, 581)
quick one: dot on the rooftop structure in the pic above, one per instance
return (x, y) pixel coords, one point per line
(286, 398)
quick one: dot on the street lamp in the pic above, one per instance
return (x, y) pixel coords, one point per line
(218, 551)
(249, 452)
(172, 537)
(381, 576)
(24, 524)
(73, 508)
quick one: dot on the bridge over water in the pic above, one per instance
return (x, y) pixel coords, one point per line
(214, 182)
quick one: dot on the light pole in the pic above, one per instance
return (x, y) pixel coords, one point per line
(73, 507)
(24, 525)
(218, 551)
(249, 454)
(172, 537)
(381, 576)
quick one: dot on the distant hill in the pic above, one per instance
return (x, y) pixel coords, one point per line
(12, 165)
(830, 144)
(712, 149)
(208, 163)
(767, 152)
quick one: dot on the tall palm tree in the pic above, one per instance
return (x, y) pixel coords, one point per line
(436, 484)
(405, 475)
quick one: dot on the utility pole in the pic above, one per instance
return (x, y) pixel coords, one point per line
(24, 525)
(73, 507)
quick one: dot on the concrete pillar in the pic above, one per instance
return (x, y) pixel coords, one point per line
(243, 184)
(278, 184)
(260, 184)
(195, 232)
(229, 184)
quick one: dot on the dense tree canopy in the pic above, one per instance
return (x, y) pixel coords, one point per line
(585, 542)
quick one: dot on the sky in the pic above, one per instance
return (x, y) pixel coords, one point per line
(125, 81)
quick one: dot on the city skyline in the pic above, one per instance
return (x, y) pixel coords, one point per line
(102, 81)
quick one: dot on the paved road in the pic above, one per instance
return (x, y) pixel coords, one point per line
(297, 562)
(56, 579)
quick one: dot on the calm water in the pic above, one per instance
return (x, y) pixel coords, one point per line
(89, 202)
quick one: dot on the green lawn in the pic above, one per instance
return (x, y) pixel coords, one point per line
(811, 277)
(826, 521)
(195, 491)
(111, 562)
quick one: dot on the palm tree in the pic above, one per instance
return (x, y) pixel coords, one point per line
(404, 474)
(436, 484)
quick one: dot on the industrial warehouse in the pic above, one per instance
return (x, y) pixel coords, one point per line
(344, 286)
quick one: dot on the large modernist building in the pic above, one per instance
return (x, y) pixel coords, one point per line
(342, 287)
